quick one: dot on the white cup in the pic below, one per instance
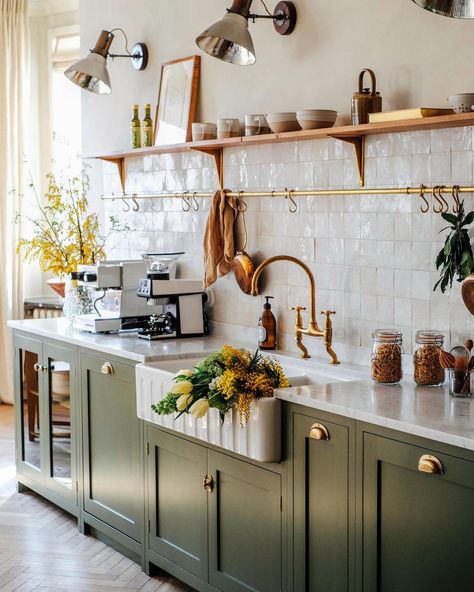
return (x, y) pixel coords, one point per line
(256, 124)
(228, 128)
(204, 131)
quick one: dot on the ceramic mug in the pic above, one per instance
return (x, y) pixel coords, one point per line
(204, 131)
(256, 125)
(228, 128)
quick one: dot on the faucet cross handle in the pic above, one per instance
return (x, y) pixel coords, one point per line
(328, 313)
(299, 318)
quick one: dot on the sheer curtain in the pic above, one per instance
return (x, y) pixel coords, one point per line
(13, 117)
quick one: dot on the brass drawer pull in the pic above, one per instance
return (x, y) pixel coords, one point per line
(208, 483)
(319, 432)
(107, 368)
(430, 464)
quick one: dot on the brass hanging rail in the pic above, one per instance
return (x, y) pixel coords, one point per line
(419, 190)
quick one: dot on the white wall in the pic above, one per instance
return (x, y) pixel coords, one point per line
(373, 257)
(419, 58)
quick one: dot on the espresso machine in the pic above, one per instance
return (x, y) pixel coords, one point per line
(182, 300)
(177, 310)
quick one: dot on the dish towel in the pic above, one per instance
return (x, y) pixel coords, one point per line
(219, 247)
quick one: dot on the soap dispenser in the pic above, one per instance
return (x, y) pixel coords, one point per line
(267, 327)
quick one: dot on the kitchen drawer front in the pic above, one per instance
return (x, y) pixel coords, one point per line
(245, 526)
(323, 494)
(177, 501)
(417, 526)
(112, 446)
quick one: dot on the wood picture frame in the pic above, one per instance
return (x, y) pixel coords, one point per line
(177, 98)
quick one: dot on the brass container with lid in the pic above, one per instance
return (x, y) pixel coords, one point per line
(365, 100)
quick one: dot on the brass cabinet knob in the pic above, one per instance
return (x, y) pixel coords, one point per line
(430, 464)
(39, 368)
(107, 368)
(319, 432)
(208, 483)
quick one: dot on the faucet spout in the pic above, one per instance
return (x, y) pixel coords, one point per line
(312, 329)
(313, 324)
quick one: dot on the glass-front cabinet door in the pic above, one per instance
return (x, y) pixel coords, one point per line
(28, 378)
(45, 401)
(60, 460)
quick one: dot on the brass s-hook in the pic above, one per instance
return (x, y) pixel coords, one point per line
(135, 206)
(457, 202)
(126, 205)
(292, 205)
(426, 209)
(195, 202)
(185, 206)
(242, 206)
(436, 195)
(440, 193)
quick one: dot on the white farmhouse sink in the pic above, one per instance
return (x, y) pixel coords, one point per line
(260, 439)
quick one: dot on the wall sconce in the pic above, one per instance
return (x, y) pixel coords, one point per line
(452, 8)
(229, 39)
(91, 72)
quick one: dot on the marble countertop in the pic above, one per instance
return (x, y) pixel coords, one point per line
(421, 411)
(125, 345)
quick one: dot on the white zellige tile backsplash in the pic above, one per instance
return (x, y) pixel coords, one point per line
(372, 256)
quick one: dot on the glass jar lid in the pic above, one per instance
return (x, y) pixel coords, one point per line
(429, 337)
(387, 336)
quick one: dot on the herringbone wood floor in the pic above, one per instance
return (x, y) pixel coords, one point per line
(42, 551)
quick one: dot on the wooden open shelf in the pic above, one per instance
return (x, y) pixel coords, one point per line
(354, 134)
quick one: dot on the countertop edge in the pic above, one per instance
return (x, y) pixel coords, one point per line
(382, 421)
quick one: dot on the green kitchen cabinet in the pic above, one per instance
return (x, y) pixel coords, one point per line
(46, 411)
(112, 440)
(245, 526)
(323, 504)
(178, 501)
(417, 517)
(215, 520)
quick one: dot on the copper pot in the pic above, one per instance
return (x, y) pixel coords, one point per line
(242, 264)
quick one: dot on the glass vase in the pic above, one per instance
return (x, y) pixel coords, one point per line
(78, 300)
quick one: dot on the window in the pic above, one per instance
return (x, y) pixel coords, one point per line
(65, 101)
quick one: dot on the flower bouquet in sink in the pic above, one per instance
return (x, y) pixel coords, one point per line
(228, 380)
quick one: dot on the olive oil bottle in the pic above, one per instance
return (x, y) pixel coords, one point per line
(267, 331)
(135, 129)
(147, 127)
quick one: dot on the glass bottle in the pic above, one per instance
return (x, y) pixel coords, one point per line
(387, 356)
(147, 127)
(427, 369)
(135, 129)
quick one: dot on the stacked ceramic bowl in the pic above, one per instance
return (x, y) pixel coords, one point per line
(283, 122)
(316, 118)
(461, 103)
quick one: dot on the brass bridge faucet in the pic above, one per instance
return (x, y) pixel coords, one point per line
(313, 329)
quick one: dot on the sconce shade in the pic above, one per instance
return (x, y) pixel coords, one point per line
(452, 8)
(91, 74)
(229, 40)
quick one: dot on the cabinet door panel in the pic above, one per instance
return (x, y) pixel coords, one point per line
(112, 441)
(29, 429)
(321, 507)
(61, 420)
(245, 533)
(178, 501)
(418, 527)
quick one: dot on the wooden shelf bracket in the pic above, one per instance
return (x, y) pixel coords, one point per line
(358, 142)
(218, 155)
(120, 164)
